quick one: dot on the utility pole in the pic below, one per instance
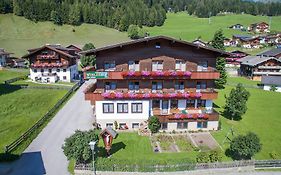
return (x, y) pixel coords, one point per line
(270, 19)
(210, 13)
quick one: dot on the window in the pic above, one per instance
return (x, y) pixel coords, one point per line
(35, 70)
(109, 125)
(157, 45)
(180, 65)
(202, 66)
(136, 107)
(179, 85)
(58, 70)
(108, 108)
(134, 86)
(201, 85)
(135, 125)
(134, 65)
(174, 104)
(64, 70)
(202, 124)
(157, 85)
(157, 65)
(190, 103)
(110, 86)
(155, 103)
(109, 65)
(182, 125)
(64, 77)
(123, 126)
(201, 103)
(42, 70)
(50, 70)
(164, 126)
(122, 107)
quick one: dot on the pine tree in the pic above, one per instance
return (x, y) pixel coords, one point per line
(217, 41)
(56, 18)
(220, 66)
(236, 102)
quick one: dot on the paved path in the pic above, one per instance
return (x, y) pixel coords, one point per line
(44, 154)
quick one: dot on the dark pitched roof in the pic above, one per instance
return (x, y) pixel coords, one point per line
(271, 53)
(72, 45)
(110, 131)
(238, 51)
(271, 80)
(55, 48)
(93, 51)
(3, 52)
(255, 60)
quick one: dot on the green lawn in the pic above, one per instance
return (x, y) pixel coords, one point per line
(18, 34)
(262, 118)
(181, 25)
(9, 74)
(21, 108)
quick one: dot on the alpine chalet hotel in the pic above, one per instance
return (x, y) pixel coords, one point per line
(155, 76)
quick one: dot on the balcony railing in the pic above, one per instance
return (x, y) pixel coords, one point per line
(49, 65)
(47, 57)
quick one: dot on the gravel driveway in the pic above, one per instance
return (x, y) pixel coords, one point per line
(44, 154)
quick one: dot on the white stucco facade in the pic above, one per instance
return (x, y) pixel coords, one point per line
(51, 75)
(131, 119)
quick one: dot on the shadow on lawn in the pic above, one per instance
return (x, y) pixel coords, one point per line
(115, 148)
(8, 88)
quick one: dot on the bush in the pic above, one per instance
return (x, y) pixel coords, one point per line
(135, 32)
(273, 88)
(215, 156)
(88, 46)
(77, 146)
(273, 155)
(154, 124)
(245, 146)
(88, 61)
(202, 157)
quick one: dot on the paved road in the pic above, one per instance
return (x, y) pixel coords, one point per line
(44, 154)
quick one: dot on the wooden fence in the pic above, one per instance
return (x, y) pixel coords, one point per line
(15, 79)
(255, 164)
(19, 140)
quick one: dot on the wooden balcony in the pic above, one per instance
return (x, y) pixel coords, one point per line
(189, 117)
(203, 75)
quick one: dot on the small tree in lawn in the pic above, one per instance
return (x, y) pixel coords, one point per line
(245, 146)
(133, 31)
(87, 61)
(77, 146)
(236, 102)
(220, 66)
(88, 46)
(154, 124)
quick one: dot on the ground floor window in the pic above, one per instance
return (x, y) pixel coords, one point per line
(135, 125)
(122, 107)
(202, 124)
(182, 125)
(64, 77)
(109, 125)
(164, 126)
(108, 108)
(136, 107)
(123, 126)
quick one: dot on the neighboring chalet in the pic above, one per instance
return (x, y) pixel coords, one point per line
(156, 76)
(74, 47)
(271, 82)
(261, 27)
(199, 42)
(3, 57)
(51, 63)
(237, 27)
(255, 67)
(236, 55)
(246, 41)
(272, 53)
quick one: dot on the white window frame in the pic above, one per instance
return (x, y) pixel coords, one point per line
(138, 108)
(106, 108)
(134, 65)
(123, 107)
(157, 65)
(180, 65)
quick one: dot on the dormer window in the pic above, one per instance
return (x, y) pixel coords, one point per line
(180, 65)
(157, 45)
(157, 65)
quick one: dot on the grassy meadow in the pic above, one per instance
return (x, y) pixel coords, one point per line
(21, 108)
(18, 34)
(181, 25)
(262, 118)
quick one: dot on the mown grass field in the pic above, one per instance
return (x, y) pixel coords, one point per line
(21, 108)
(181, 25)
(18, 34)
(262, 118)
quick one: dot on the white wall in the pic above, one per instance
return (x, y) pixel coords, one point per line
(70, 73)
(192, 126)
(128, 118)
(3, 60)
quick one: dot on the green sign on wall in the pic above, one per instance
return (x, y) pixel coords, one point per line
(93, 75)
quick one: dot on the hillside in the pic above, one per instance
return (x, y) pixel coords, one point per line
(184, 26)
(18, 34)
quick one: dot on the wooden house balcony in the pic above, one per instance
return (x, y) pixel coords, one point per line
(188, 115)
(44, 57)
